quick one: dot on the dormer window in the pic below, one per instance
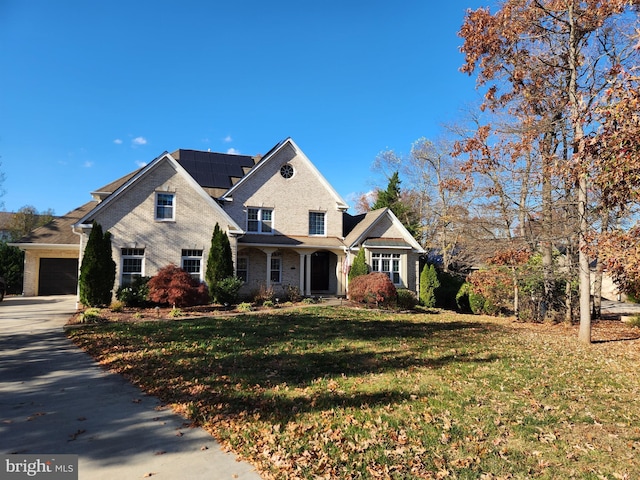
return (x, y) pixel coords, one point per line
(165, 207)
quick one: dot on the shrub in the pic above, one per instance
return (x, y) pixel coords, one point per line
(227, 290)
(446, 293)
(264, 294)
(174, 286)
(406, 299)
(428, 285)
(134, 295)
(268, 304)
(359, 266)
(98, 270)
(373, 288)
(476, 302)
(116, 306)
(462, 297)
(244, 307)
(175, 313)
(219, 262)
(91, 315)
(292, 293)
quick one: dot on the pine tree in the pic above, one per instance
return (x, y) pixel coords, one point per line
(98, 270)
(428, 284)
(359, 266)
(392, 199)
(219, 262)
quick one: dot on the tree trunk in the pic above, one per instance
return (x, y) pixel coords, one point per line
(584, 333)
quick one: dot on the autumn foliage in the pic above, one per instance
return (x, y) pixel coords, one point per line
(373, 288)
(174, 286)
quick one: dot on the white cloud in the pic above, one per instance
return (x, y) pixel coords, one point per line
(141, 164)
(139, 141)
(228, 139)
(117, 141)
(233, 151)
(88, 164)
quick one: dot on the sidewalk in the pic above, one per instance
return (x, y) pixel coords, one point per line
(54, 399)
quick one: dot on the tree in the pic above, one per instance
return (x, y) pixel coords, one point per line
(11, 267)
(2, 178)
(219, 261)
(359, 266)
(401, 205)
(546, 63)
(174, 286)
(26, 219)
(98, 270)
(428, 284)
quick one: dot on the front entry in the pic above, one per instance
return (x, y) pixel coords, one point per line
(320, 271)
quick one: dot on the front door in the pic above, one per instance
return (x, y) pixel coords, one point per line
(320, 271)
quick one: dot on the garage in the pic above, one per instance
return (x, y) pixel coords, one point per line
(58, 276)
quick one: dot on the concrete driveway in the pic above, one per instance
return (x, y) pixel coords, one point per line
(54, 399)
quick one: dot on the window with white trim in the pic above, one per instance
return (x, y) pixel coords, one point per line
(242, 271)
(132, 265)
(260, 220)
(275, 271)
(191, 262)
(165, 206)
(317, 223)
(388, 263)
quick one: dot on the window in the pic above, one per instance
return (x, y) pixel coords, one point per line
(316, 223)
(242, 272)
(388, 263)
(192, 263)
(286, 171)
(276, 269)
(165, 203)
(132, 265)
(259, 220)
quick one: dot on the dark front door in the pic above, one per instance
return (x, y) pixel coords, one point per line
(58, 276)
(320, 271)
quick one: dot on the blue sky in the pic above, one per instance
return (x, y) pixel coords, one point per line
(92, 90)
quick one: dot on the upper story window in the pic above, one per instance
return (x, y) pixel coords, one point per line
(165, 206)
(388, 263)
(260, 220)
(132, 265)
(286, 171)
(317, 223)
(192, 263)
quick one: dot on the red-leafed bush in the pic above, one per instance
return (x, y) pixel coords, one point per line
(373, 288)
(173, 286)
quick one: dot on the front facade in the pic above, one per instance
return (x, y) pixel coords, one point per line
(287, 226)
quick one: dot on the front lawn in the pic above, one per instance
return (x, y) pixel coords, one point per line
(326, 392)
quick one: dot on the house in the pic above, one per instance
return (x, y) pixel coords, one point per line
(286, 224)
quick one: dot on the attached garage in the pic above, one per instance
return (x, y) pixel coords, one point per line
(58, 276)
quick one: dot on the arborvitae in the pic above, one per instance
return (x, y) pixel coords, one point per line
(220, 260)
(98, 270)
(428, 284)
(359, 266)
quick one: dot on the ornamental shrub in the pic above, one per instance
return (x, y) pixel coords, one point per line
(407, 300)
(428, 285)
(373, 288)
(134, 295)
(98, 270)
(359, 266)
(173, 286)
(227, 290)
(219, 262)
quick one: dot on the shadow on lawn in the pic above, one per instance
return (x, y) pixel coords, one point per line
(242, 364)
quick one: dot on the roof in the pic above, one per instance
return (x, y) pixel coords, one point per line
(58, 231)
(214, 170)
(258, 240)
(359, 224)
(386, 243)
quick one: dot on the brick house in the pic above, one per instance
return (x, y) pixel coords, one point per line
(286, 224)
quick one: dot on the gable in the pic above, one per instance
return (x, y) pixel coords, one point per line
(291, 194)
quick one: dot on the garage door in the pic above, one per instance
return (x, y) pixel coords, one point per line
(58, 276)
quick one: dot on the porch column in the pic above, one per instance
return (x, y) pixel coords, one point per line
(308, 275)
(301, 276)
(269, 252)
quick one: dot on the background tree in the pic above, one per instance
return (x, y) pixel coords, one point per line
(219, 261)
(98, 270)
(12, 267)
(401, 205)
(26, 219)
(546, 63)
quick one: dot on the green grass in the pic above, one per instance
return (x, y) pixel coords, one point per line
(350, 393)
